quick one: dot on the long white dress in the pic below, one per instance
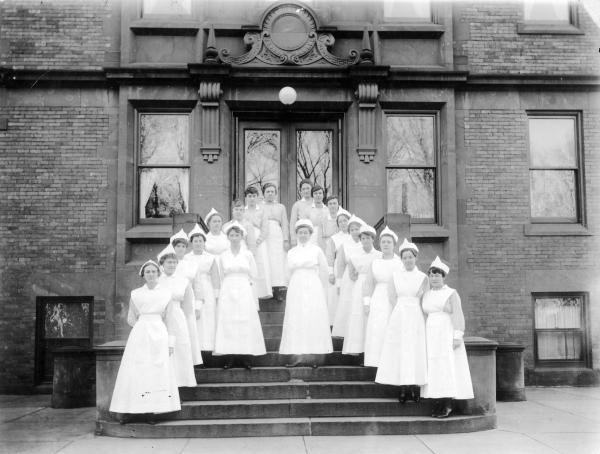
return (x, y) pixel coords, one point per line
(317, 216)
(354, 339)
(278, 232)
(333, 245)
(188, 270)
(216, 244)
(306, 321)
(146, 380)
(206, 286)
(403, 359)
(448, 373)
(380, 309)
(238, 326)
(182, 305)
(262, 281)
(344, 302)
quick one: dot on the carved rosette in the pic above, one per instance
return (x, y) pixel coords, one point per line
(209, 94)
(367, 94)
(289, 37)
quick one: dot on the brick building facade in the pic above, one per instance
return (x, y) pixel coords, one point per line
(78, 81)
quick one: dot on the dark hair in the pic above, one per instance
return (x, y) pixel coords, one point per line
(146, 265)
(371, 234)
(176, 241)
(251, 190)
(202, 234)
(235, 228)
(316, 188)
(269, 185)
(414, 253)
(304, 226)
(437, 269)
(333, 197)
(305, 181)
(237, 203)
(337, 218)
(165, 257)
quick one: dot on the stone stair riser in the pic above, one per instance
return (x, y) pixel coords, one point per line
(284, 374)
(275, 359)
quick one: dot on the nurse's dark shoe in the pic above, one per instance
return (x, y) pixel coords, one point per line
(415, 393)
(402, 395)
(436, 408)
(445, 409)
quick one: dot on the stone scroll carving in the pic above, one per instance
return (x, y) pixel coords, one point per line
(367, 94)
(209, 94)
(289, 36)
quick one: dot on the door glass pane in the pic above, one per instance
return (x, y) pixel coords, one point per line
(164, 139)
(163, 192)
(410, 140)
(562, 312)
(314, 160)
(552, 142)
(262, 149)
(553, 194)
(412, 191)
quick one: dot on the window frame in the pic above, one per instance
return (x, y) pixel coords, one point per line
(578, 170)
(407, 20)
(585, 360)
(138, 220)
(558, 27)
(435, 114)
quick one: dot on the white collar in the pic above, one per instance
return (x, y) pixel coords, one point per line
(247, 207)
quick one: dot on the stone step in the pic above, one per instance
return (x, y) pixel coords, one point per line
(268, 427)
(271, 318)
(275, 359)
(272, 331)
(271, 305)
(272, 343)
(300, 408)
(289, 390)
(285, 374)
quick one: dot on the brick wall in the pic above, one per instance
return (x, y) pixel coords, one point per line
(52, 179)
(499, 255)
(58, 34)
(490, 41)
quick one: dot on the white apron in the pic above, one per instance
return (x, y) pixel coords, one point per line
(344, 302)
(188, 270)
(276, 254)
(448, 372)
(205, 299)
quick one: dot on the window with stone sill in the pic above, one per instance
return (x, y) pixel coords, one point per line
(166, 8)
(411, 170)
(163, 165)
(560, 324)
(407, 11)
(555, 168)
(550, 16)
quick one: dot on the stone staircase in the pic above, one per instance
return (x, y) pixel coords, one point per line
(338, 398)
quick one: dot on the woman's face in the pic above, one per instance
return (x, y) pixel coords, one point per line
(343, 223)
(270, 194)
(169, 265)
(333, 206)
(436, 279)
(198, 243)
(215, 224)
(237, 213)
(318, 196)
(305, 190)
(353, 229)
(251, 200)
(409, 260)
(234, 237)
(387, 244)
(180, 249)
(367, 241)
(303, 234)
(150, 274)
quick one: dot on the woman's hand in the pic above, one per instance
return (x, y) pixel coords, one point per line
(171, 351)
(286, 245)
(353, 275)
(332, 279)
(456, 343)
(366, 309)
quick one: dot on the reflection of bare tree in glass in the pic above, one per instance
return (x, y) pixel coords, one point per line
(262, 158)
(314, 158)
(410, 143)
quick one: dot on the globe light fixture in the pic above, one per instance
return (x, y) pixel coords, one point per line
(287, 96)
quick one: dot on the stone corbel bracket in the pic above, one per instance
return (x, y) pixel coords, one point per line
(367, 94)
(209, 94)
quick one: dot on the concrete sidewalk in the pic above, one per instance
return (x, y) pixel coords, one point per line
(553, 420)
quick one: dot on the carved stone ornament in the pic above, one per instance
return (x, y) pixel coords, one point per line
(209, 94)
(289, 37)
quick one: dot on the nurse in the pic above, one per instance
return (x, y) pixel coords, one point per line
(238, 326)
(360, 264)
(146, 382)
(332, 248)
(180, 310)
(216, 240)
(306, 321)
(375, 296)
(301, 208)
(259, 225)
(278, 236)
(403, 360)
(317, 215)
(206, 286)
(448, 375)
